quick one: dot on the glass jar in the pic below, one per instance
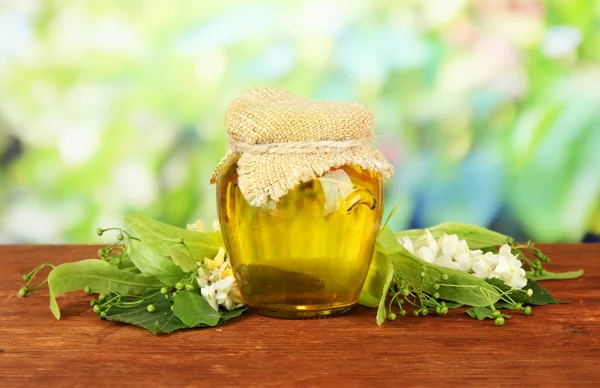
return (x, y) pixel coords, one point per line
(306, 255)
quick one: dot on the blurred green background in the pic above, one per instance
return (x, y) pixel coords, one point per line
(490, 110)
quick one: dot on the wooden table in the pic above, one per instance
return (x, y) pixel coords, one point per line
(556, 346)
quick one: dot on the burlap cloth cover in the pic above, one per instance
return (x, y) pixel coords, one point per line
(284, 140)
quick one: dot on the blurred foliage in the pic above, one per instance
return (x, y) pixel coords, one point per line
(489, 109)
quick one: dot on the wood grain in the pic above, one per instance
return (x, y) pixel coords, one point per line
(556, 346)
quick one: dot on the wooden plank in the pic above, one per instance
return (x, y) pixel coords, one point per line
(557, 345)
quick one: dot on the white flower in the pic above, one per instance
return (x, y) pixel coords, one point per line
(202, 281)
(426, 254)
(408, 244)
(449, 244)
(481, 268)
(510, 272)
(464, 261)
(209, 293)
(505, 251)
(491, 259)
(445, 261)
(427, 240)
(223, 287)
(216, 294)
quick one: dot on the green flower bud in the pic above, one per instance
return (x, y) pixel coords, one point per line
(499, 321)
(23, 291)
(424, 312)
(26, 277)
(99, 231)
(179, 286)
(436, 295)
(422, 275)
(189, 287)
(436, 286)
(171, 307)
(416, 313)
(444, 310)
(495, 314)
(445, 276)
(97, 308)
(391, 317)
(101, 252)
(151, 308)
(402, 312)
(92, 302)
(102, 314)
(120, 237)
(519, 306)
(101, 297)
(164, 290)
(438, 310)
(527, 310)
(87, 290)
(405, 292)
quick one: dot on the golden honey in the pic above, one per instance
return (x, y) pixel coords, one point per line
(307, 254)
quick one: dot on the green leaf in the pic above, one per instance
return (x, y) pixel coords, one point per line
(450, 305)
(230, 314)
(454, 305)
(192, 309)
(476, 236)
(504, 305)
(163, 319)
(381, 310)
(161, 237)
(98, 275)
(127, 265)
(540, 296)
(152, 263)
(368, 299)
(481, 313)
(387, 242)
(181, 257)
(547, 275)
(374, 287)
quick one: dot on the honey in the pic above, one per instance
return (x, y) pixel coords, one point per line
(307, 254)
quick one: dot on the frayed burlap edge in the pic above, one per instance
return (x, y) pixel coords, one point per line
(259, 184)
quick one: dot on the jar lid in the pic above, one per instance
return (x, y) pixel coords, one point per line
(284, 140)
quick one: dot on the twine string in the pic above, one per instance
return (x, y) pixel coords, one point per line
(297, 147)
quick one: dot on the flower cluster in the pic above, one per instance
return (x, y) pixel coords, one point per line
(215, 277)
(217, 283)
(451, 252)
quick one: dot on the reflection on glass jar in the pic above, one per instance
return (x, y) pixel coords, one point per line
(306, 255)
